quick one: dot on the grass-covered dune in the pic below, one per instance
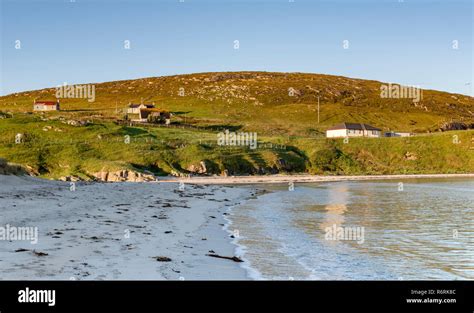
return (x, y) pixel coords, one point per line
(52, 149)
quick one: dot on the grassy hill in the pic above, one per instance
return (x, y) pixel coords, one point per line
(290, 139)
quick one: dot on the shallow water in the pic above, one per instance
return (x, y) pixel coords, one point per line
(420, 229)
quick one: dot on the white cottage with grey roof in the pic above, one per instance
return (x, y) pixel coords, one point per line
(353, 130)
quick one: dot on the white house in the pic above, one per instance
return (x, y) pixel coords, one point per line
(46, 105)
(137, 113)
(148, 113)
(353, 130)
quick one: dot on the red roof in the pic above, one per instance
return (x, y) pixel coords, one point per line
(46, 102)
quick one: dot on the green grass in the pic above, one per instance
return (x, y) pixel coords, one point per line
(260, 101)
(81, 151)
(244, 101)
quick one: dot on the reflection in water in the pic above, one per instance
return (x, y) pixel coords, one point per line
(337, 198)
(423, 232)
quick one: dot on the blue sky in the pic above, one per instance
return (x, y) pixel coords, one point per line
(408, 42)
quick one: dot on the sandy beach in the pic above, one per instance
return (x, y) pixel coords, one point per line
(110, 231)
(167, 230)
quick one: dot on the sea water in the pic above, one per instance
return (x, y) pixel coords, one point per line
(412, 229)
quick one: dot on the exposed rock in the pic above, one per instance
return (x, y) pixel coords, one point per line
(5, 115)
(11, 169)
(123, 176)
(31, 171)
(71, 178)
(198, 169)
(76, 122)
(174, 173)
(455, 126)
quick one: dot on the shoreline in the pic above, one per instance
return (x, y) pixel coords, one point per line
(280, 179)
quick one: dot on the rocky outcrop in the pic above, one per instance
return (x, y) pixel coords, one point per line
(455, 126)
(123, 176)
(71, 178)
(11, 169)
(198, 169)
(76, 123)
(5, 115)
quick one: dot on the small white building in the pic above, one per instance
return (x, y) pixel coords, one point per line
(137, 112)
(353, 130)
(148, 113)
(46, 105)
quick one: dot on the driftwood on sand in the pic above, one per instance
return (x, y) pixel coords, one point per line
(233, 258)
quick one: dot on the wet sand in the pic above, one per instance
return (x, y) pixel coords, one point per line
(281, 179)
